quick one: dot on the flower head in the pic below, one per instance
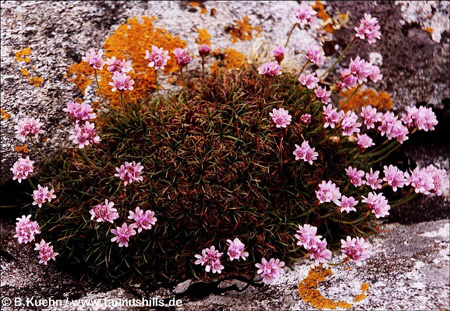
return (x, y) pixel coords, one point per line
(315, 54)
(305, 14)
(328, 191)
(270, 270)
(42, 194)
(356, 176)
(356, 249)
(423, 118)
(130, 172)
(372, 179)
(281, 117)
(84, 135)
(305, 153)
(236, 249)
(104, 212)
(368, 29)
(270, 69)
(307, 236)
(350, 124)
(364, 141)
(370, 116)
(394, 177)
(182, 56)
(28, 127)
(46, 252)
(319, 252)
(332, 117)
(95, 59)
(323, 95)
(210, 258)
(305, 118)
(347, 204)
(157, 58)
(121, 66)
(204, 50)
(26, 229)
(80, 112)
(278, 53)
(377, 203)
(143, 219)
(122, 234)
(22, 169)
(309, 80)
(440, 180)
(121, 82)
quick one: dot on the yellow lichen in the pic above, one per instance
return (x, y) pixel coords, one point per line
(20, 55)
(5, 115)
(25, 72)
(243, 30)
(428, 29)
(200, 4)
(232, 59)
(36, 81)
(129, 42)
(319, 7)
(380, 100)
(203, 37)
(308, 290)
(22, 148)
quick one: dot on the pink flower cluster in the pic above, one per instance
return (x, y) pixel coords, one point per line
(328, 191)
(364, 141)
(104, 212)
(278, 53)
(42, 194)
(347, 204)
(305, 118)
(394, 177)
(349, 123)
(372, 179)
(121, 66)
(315, 54)
(392, 127)
(236, 250)
(95, 59)
(323, 95)
(22, 168)
(317, 248)
(428, 180)
(370, 116)
(356, 249)
(332, 116)
(305, 14)
(270, 270)
(122, 234)
(368, 29)
(423, 118)
(28, 127)
(157, 58)
(305, 153)
(281, 117)
(80, 112)
(309, 80)
(270, 69)
(130, 172)
(46, 252)
(121, 82)
(377, 203)
(143, 220)
(26, 229)
(84, 135)
(356, 176)
(210, 258)
(182, 56)
(359, 71)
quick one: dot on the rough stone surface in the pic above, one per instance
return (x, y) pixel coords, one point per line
(408, 270)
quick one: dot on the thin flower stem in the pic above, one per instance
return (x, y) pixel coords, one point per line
(339, 263)
(31, 183)
(338, 59)
(156, 81)
(290, 33)
(301, 70)
(203, 66)
(351, 95)
(182, 76)
(98, 87)
(39, 150)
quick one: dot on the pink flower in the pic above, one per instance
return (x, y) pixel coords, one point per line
(356, 176)
(80, 112)
(332, 117)
(270, 270)
(121, 82)
(347, 79)
(315, 54)
(392, 127)
(46, 252)
(115, 65)
(269, 69)
(319, 252)
(368, 29)
(95, 59)
(281, 117)
(307, 236)
(204, 50)
(305, 14)
(323, 95)
(328, 191)
(210, 258)
(143, 220)
(84, 135)
(423, 118)
(356, 249)
(130, 172)
(42, 194)
(157, 58)
(349, 123)
(309, 80)
(347, 204)
(420, 180)
(305, 153)
(123, 234)
(182, 56)
(372, 179)
(360, 69)
(374, 73)
(364, 141)
(305, 118)
(236, 250)
(26, 229)
(394, 177)
(278, 53)
(104, 212)
(370, 116)
(22, 169)
(377, 203)
(440, 180)
(28, 127)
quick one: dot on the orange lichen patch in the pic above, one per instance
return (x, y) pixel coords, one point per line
(25, 72)
(20, 55)
(22, 148)
(380, 100)
(319, 7)
(428, 29)
(363, 295)
(200, 4)
(243, 30)
(36, 81)
(5, 115)
(231, 59)
(130, 41)
(203, 37)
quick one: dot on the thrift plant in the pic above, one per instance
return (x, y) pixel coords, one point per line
(240, 173)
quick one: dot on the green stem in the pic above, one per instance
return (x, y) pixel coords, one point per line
(290, 33)
(339, 263)
(31, 184)
(39, 150)
(351, 95)
(338, 59)
(301, 70)
(98, 87)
